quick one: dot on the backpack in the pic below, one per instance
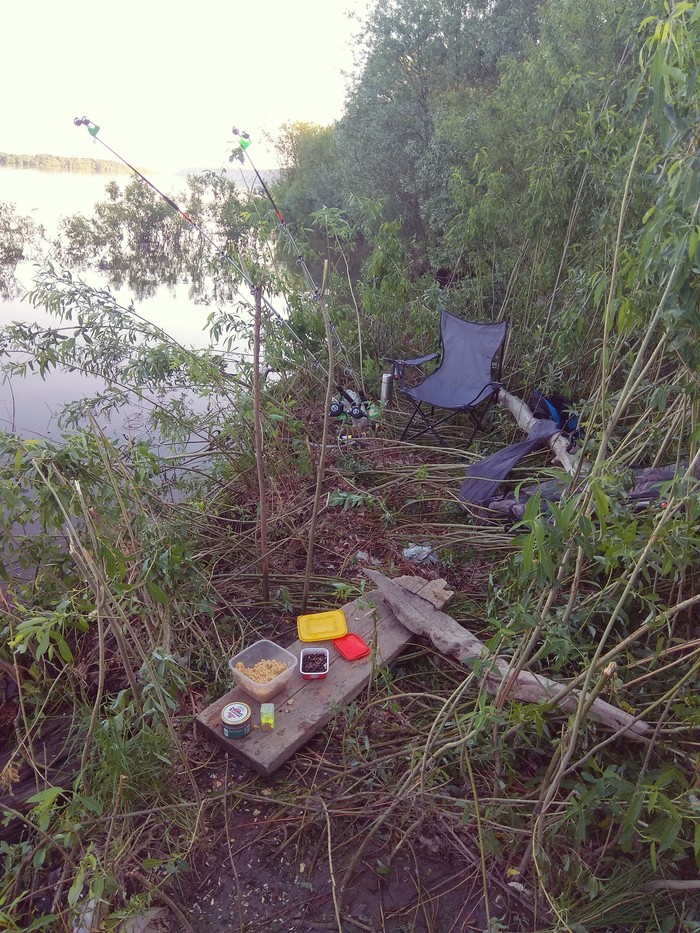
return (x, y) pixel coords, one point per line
(559, 410)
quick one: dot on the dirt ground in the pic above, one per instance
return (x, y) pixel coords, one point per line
(257, 876)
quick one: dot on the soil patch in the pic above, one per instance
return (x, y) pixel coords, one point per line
(268, 870)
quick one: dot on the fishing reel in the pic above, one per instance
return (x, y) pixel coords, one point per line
(339, 409)
(349, 404)
(349, 408)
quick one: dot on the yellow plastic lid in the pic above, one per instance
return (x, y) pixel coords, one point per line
(322, 626)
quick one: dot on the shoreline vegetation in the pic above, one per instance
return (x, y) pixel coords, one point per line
(44, 162)
(531, 762)
(241, 175)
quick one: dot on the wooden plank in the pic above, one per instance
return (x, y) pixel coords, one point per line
(450, 638)
(308, 705)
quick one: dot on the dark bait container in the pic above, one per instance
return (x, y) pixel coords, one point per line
(322, 658)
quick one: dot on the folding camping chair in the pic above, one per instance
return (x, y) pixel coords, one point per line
(463, 381)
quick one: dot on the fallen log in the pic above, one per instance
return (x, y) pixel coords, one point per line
(450, 638)
(526, 421)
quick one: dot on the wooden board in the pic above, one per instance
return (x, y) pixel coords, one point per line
(306, 706)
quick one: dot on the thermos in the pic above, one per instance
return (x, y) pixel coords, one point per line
(387, 388)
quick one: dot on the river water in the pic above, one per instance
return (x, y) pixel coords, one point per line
(30, 405)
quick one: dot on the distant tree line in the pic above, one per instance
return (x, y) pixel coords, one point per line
(51, 163)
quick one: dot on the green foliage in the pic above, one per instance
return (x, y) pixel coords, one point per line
(19, 236)
(544, 156)
(312, 181)
(136, 359)
(413, 54)
(350, 500)
(140, 241)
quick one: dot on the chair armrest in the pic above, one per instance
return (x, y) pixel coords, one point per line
(417, 361)
(400, 365)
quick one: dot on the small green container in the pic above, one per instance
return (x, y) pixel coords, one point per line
(236, 720)
(267, 717)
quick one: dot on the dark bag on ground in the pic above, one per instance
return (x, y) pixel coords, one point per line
(558, 409)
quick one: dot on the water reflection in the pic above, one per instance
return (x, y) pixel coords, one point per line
(29, 406)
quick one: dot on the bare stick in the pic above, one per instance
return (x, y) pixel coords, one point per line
(257, 423)
(324, 439)
(451, 638)
(336, 905)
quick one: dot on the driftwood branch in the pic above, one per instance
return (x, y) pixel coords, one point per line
(526, 420)
(451, 638)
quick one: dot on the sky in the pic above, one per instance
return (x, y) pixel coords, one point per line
(167, 81)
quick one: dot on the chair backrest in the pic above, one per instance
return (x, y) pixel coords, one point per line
(463, 377)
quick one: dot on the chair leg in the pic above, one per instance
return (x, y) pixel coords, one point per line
(431, 426)
(479, 422)
(477, 425)
(410, 420)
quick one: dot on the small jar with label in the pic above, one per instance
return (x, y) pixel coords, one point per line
(236, 720)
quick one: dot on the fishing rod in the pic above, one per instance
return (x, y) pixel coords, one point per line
(244, 141)
(93, 129)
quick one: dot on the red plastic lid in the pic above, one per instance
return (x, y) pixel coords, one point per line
(352, 646)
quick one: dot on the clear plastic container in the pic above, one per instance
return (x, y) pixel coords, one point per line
(263, 650)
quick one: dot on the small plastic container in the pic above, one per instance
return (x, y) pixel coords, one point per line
(322, 626)
(314, 675)
(352, 646)
(263, 650)
(267, 717)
